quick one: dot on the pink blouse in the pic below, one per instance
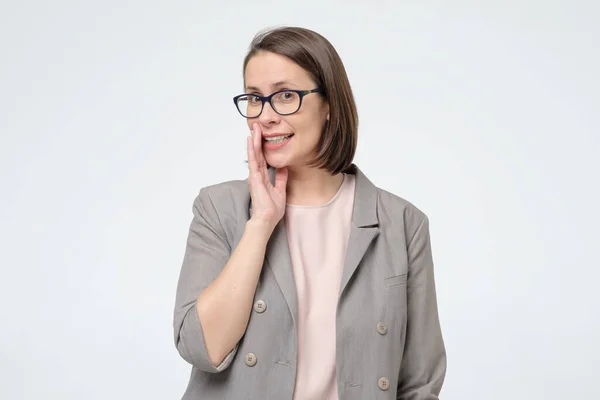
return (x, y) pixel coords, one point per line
(318, 238)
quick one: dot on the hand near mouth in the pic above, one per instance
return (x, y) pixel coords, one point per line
(268, 200)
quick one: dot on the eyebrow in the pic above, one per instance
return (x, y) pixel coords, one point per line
(274, 86)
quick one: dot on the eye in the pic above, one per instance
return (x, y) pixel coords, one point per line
(253, 99)
(286, 97)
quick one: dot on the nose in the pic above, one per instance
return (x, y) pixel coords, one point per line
(268, 115)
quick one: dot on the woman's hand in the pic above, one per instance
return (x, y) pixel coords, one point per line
(268, 200)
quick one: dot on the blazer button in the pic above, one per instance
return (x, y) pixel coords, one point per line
(382, 328)
(383, 383)
(260, 306)
(250, 359)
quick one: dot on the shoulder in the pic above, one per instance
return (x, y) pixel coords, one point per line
(395, 213)
(225, 201)
(224, 191)
(391, 210)
(391, 206)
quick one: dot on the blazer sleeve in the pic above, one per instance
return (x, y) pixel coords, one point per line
(206, 253)
(423, 367)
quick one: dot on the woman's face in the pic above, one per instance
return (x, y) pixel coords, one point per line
(267, 73)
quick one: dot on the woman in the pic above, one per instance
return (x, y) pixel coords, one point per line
(305, 280)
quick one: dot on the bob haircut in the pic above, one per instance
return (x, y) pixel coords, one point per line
(318, 57)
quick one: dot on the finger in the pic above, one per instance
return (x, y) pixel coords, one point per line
(251, 156)
(258, 139)
(256, 184)
(254, 175)
(281, 177)
(261, 161)
(256, 150)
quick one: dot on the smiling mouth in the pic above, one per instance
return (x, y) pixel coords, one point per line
(277, 139)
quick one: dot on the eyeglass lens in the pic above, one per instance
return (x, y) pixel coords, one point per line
(283, 102)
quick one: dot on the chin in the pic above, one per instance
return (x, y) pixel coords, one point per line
(277, 162)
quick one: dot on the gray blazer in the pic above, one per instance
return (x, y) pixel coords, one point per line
(389, 342)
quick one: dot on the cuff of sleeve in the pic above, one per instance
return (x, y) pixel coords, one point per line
(193, 347)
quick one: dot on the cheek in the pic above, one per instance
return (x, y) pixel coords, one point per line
(308, 127)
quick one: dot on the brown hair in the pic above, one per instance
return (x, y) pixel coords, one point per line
(317, 56)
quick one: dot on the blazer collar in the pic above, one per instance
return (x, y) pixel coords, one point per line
(365, 200)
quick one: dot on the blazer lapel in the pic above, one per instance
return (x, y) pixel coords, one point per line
(278, 259)
(364, 228)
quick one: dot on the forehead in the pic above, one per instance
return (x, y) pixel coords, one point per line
(265, 70)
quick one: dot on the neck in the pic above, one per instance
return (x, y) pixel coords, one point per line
(310, 186)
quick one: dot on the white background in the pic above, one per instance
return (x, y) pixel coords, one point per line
(115, 113)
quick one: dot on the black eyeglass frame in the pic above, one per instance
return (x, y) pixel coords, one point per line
(267, 99)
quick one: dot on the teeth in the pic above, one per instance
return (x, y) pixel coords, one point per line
(276, 139)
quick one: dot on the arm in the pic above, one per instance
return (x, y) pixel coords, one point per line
(216, 288)
(424, 363)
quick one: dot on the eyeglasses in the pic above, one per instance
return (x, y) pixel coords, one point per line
(283, 102)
